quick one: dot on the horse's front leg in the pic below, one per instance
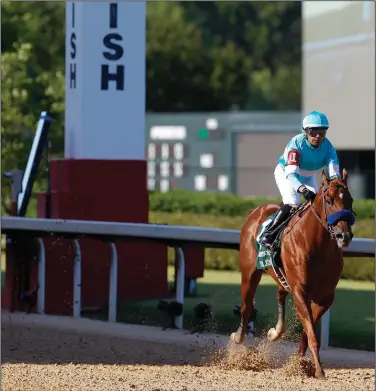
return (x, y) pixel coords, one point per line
(303, 307)
(276, 332)
(318, 310)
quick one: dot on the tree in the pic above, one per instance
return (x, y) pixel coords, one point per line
(42, 25)
(188, 70)
(269, 34)
(32, 79)
(33, 47)
(178, 66)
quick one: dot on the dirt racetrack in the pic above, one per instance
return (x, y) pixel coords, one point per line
(61, 353)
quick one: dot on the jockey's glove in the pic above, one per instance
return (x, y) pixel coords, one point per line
(308, 194)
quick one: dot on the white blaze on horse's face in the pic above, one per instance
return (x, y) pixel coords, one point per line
(342, 230)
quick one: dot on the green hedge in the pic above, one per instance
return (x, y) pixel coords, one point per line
(219, 204)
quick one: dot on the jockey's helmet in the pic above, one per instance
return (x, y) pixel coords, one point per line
(315, 119)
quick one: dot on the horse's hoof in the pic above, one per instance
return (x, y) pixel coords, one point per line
(273, 335)
(236, 338)
(301, 354)
(320, 375)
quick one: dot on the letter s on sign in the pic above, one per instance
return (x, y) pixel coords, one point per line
(293, 158)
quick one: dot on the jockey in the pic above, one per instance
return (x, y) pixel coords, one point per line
(304, 155)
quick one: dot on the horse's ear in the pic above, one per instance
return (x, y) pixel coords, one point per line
(324, 178)
(344, 176)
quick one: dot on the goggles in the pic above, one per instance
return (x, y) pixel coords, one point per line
(313, 132)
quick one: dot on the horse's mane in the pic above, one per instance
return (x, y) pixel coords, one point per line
(338, 181)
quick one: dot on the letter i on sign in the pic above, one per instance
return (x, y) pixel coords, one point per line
(113, 15)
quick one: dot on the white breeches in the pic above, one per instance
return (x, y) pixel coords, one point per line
(289, 195)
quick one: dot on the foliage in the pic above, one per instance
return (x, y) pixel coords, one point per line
(32, 79)
(221, 204)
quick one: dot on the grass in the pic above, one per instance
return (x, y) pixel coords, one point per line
(352, 318)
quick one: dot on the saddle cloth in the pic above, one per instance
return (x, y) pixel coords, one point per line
(266, 257)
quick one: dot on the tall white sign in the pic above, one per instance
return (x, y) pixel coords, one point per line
(105, 80)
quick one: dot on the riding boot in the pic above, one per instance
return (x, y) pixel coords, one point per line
(270, 233)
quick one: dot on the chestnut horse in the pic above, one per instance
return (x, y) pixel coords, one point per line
(311, 255)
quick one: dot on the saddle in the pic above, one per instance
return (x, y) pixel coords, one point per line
(272, 258)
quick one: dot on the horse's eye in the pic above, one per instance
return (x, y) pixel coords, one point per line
(329, 201)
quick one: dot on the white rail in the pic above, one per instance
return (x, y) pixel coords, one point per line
(77, 280)
(174, 236)
(112, 297)
(41, 277)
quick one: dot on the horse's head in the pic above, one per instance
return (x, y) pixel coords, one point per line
(336, 208)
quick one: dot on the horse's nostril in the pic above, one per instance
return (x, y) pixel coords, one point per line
(339, 236)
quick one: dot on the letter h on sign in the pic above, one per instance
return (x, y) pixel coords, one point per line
(72, 75)
(117, 76)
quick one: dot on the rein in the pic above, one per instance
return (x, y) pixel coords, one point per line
(308, 206)
(322, 222)
(328, 227)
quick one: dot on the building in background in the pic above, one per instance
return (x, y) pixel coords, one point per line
(339, 79)
(218, 152)
(234, 153)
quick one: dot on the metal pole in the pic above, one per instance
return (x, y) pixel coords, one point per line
(325, 321)
(112, 297)
(77, 280)
(41, 277)
(180, 279)
(48, 179)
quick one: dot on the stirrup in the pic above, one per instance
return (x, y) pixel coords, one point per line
(267, 242)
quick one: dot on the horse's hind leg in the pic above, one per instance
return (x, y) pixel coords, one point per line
(248, 292)
(317, 312)
(276, 332)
